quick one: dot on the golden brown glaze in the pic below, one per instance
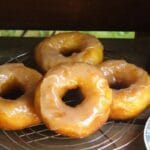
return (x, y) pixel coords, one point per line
(86, 117)
(19, 113)
(135, 98)
(82, 48)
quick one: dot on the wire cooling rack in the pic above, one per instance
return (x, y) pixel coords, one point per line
(113, 135)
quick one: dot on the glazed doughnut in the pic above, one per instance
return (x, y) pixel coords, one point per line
(86, 117)
(17, 111)
(133, 95)
(68, 47)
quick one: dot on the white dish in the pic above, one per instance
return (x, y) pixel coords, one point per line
(147, 134)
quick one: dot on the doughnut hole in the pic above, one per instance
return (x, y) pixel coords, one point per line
(12, 90)
(70, 52)
(122, 83)
(73, 97)
(119, 85)
(122, 80)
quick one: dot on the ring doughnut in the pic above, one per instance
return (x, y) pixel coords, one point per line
(86, 117)
(17, 111)
(133, 95)
(68, 47)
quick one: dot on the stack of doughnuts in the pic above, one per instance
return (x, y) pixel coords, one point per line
(111, 89)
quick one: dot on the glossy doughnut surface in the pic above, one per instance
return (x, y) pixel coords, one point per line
(131, 88)
(17, 111)
(86, 117)
(68, 47)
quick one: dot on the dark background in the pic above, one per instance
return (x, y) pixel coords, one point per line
(75, 14)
